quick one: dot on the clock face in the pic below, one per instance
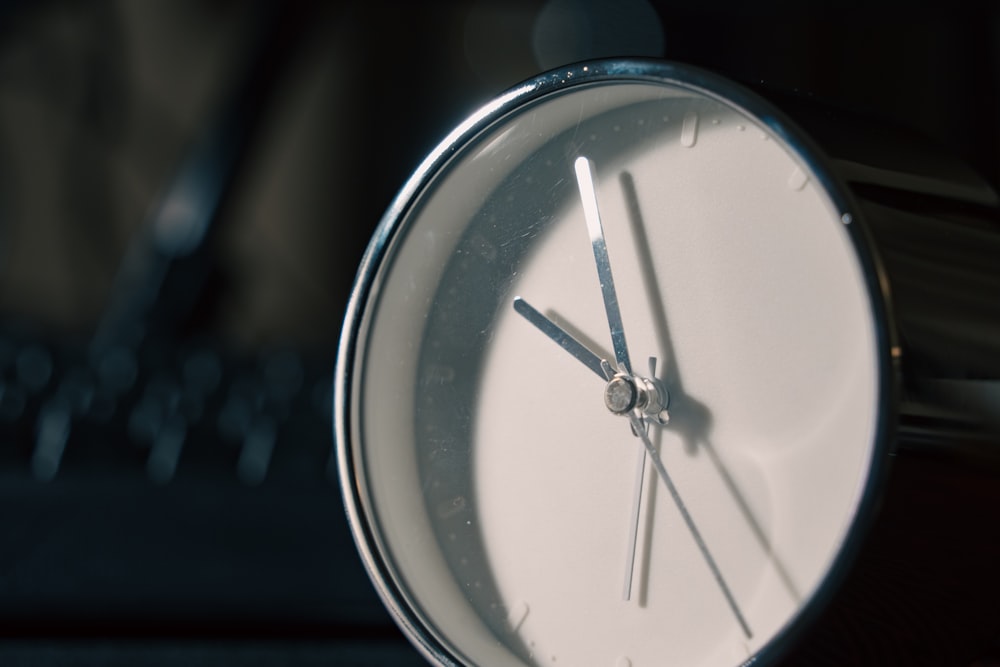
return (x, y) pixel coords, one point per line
(612, 386)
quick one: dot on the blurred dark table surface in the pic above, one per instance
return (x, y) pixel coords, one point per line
(182, 510)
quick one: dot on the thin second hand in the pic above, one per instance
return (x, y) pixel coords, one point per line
(633, 528)
(695, 533)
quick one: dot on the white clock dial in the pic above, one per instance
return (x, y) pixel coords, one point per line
(684, 276)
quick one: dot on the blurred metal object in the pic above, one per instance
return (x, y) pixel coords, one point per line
(936, 225)
(167, 261)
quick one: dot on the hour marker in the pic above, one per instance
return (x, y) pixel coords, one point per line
(440, 374)
(741, 651)
(797, 179)
(689, 129)
(450, 508)
(516, 615)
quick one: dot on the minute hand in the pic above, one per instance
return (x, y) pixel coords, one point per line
(588, 196)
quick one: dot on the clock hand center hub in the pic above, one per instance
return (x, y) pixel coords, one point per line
(621, 394)
(624, 393)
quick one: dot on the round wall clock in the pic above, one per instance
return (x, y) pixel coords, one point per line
(617, 380)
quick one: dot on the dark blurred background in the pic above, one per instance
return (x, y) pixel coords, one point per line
(186, 189)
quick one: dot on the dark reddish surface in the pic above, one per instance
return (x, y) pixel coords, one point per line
(926, 586)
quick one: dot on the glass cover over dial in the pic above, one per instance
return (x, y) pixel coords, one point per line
(611, 388)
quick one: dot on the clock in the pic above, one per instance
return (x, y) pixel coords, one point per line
(618, 378)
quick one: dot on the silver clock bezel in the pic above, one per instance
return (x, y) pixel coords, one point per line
(391, 227)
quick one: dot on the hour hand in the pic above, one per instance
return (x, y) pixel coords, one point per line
(563, 338)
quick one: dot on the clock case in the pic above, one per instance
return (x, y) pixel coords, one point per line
(926, 229)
